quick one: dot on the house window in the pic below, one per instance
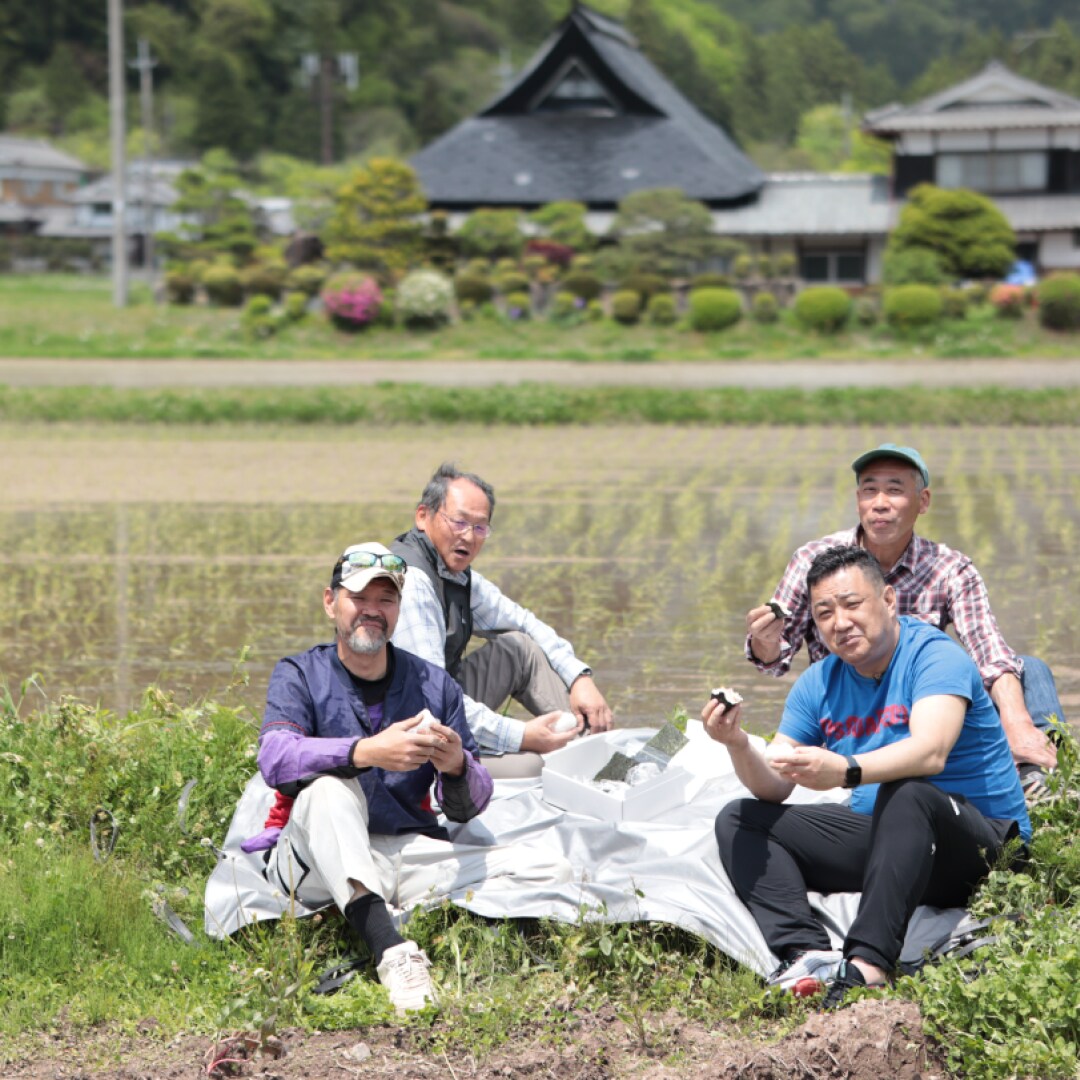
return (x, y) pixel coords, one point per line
(848, 267)
(31, 188)
(996, 172)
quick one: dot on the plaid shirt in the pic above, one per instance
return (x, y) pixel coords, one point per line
(932, 582)
(421, 630)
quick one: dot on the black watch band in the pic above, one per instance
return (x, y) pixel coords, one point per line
(853, 776)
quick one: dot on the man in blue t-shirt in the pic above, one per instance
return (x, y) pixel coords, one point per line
(898, 714)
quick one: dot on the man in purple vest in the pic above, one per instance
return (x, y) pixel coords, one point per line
(356, 736)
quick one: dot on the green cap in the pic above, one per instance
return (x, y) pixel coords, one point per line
(890, 450)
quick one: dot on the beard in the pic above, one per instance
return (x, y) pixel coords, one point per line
(367, 638)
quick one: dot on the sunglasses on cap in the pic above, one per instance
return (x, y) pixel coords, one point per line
(365, 560)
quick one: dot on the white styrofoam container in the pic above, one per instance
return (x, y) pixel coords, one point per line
(568, 774)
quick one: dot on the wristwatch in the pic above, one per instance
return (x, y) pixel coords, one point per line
(853, 776)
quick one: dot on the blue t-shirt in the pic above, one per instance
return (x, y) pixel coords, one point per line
(832, 705)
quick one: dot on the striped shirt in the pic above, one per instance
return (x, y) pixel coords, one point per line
(933, 583)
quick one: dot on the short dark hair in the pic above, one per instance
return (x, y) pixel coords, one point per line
(835, 559)
(434, 494)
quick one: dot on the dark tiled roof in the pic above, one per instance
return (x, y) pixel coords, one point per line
(511, 155)
(994, 98)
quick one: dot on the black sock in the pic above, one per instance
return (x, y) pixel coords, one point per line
(370, 918)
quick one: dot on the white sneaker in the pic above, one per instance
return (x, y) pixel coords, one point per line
(807, 973)
(404, 973)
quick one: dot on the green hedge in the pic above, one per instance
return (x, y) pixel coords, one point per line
(1059, 302)
(824, 308)
(910, 306)
(714, 309)
(626, 307)
(660, 309)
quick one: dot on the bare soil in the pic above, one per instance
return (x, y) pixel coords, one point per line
(869, 1040)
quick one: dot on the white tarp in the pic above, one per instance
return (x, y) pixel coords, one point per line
(665, 870)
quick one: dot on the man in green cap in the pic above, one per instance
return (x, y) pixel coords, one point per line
(933, 583)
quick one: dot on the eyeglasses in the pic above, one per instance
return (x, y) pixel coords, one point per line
(462, 527)
(364, 560)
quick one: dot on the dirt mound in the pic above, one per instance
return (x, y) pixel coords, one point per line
(867, 1041)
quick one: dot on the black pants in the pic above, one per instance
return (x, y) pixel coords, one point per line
(921, 846)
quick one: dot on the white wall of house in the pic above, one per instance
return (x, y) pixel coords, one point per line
(1059, 250)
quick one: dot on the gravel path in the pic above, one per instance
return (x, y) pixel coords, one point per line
(697, 375)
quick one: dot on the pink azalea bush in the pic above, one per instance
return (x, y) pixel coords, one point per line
(1009, 300)
(352, 301)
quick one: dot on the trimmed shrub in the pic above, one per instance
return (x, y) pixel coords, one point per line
(865, 311)
(582, 283)
(584, 263)
(1008, 301)
(467, 310)
(784, 264)
(824, 308)
(425, 298)
(626, 307)
(518, 306)
(742, 267)
(912, 266)
(473, 287)
(714, 309)
(352, 300)
(296, 305)
(910, 306)
(710, 280)
(506, 266)
(265, 279)
(180, 286)
(533, 264)
(223, 286)
(765, 308)
(307, 279)
(512, 281)
(565, 307)
(660, 310)
(478, 266)
(954, 303)
(258, 319)
(1059, 302)
(646, 285)
(594, 311)
(766, 267)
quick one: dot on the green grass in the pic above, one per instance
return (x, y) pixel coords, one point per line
(80, 943)
(72, 316)
(540, 404)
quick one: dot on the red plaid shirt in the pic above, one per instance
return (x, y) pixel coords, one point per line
(932, 582)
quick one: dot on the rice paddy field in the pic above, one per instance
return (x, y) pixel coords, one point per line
(194, 559)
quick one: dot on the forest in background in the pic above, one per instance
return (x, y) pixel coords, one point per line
(788, 78)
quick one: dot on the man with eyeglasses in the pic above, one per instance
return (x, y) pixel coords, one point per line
(445, 602)
(933, 583)
(356, 736)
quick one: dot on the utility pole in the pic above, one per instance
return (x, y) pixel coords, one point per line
(323, 69)
(146, 64)
(118, 131)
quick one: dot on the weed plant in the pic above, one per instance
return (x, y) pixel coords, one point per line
(1013, 1008)
(81, 942)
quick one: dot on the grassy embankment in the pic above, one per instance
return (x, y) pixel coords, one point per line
(70, 316)
(81, 945)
